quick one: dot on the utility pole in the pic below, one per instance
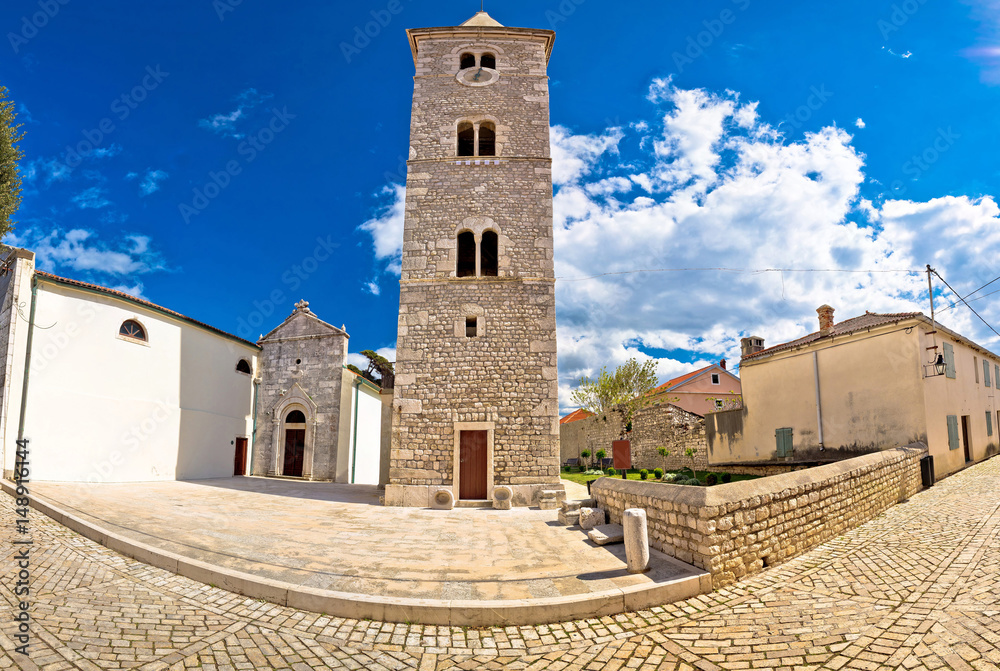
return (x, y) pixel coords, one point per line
(933, 333)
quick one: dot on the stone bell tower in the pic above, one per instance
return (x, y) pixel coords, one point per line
(476, 398)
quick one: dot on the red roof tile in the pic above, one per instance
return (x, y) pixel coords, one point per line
(576, 415)
(866, 321)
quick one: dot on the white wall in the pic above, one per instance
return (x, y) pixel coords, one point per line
(104, 409)
(365, 454)
(16, 287)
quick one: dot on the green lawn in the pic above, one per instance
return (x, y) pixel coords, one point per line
(582, 478)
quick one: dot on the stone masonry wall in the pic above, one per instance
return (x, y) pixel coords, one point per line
(739, 528)
(653, 426)
(507, 374)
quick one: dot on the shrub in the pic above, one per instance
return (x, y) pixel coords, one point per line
(727, 477)
(643, 474)
(612, 472)
(711, 479)
(671, 477)
(658, 473)
(693, 482)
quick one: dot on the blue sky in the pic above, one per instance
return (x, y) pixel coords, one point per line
(238, 156)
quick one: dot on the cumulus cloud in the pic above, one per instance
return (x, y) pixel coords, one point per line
(386, 228)
(82, 251)
(225, 124)
(860, 123)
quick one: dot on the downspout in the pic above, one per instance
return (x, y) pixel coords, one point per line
(27, 359)
(253, 436)
(354, 448)
(819, 405)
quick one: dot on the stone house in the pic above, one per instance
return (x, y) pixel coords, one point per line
(705, 390)
(476, 394)
(873, 382)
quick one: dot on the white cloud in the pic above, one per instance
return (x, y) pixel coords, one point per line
(131, 290)
(46, 169)
(386, 228)
(150, 182)
(860, 123)
(389, 353)
(24, 114)
(91, 199)
(225, 123)
(574, 156)
(80, 250)
(105, 152)
(373, 288)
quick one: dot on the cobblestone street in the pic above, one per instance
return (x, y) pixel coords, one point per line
(916, 588)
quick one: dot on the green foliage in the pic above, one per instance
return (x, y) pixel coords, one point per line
(612, 472)
(357, 370)
(625, 391)
(663, 452)
(711, 479)
(10, 155)
(601, 454)
(643, 474)
(380, 370)
(692, 482)
(734, 402)
(658, 473)
(727, 477)
(691, 452)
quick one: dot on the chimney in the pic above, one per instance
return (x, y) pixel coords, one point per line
(751, 345)
(825, 318)
(723, 364)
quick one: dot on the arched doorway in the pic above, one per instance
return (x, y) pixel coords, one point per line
(295, 443)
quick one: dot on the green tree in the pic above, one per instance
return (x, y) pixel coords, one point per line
(691, 452)
(663, 452)
(380, 370)
(10, 155)
(625, 391)
(585, 455)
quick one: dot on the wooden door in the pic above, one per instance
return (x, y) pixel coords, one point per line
(472, 465)
(965, 438)
(240, 466)
(295, 448)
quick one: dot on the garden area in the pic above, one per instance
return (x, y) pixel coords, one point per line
(681, 477)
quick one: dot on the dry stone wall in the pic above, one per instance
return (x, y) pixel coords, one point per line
(739, 528)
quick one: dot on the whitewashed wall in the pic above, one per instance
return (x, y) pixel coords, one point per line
(105, 409)
(364, 454)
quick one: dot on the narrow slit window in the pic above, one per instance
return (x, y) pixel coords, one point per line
(471, 324)
(467, 61)
(488, 61)
(466, 139)
(132, 329)
(487, 139)
(466, 255)
(490, 254)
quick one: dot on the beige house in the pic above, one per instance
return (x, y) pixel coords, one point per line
(866, 384)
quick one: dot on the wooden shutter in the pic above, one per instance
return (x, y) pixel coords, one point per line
(989, 423)
(783, 439)
(986, 372)
(949, 361)
(952, 432)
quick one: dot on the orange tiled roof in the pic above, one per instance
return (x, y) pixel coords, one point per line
(866, 321)
(670, 384)
(576, 415)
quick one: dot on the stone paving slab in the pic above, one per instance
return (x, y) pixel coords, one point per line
(817, 611)
(331, 548)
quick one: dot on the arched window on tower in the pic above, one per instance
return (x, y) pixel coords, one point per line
(490, 254)
(466, 255)
(487, 139)
(466, 139)
(467, 61)
(488, 61)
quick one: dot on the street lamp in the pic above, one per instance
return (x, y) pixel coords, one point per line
(939, 365)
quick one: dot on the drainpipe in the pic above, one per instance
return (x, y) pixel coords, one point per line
(27, 359)
(354, 449)
(253, 436)
(819, 406)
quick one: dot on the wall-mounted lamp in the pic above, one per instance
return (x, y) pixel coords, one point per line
(939, 365)
(937, 368)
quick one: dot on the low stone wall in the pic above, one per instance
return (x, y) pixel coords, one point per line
(654, 426)
(736, 529)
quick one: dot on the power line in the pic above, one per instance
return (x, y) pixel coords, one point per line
(966, 303)
(748, 271)
(976, 292)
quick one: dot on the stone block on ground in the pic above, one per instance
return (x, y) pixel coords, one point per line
(591, 518)
(607, 534)
(443, 499)
(569, 517)
(549, 500)
(636, 540)
(503, 497)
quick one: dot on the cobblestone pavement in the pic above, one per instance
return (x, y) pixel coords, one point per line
(916, 588)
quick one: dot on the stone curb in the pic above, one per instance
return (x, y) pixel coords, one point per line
(387, 609)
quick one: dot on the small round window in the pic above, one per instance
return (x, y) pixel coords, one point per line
(132, 329)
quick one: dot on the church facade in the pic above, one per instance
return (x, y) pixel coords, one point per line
(476, 396)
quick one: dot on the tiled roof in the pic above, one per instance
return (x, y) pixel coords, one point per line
(866, 321)
(576, 415)
(138, 301)
(680, 380)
